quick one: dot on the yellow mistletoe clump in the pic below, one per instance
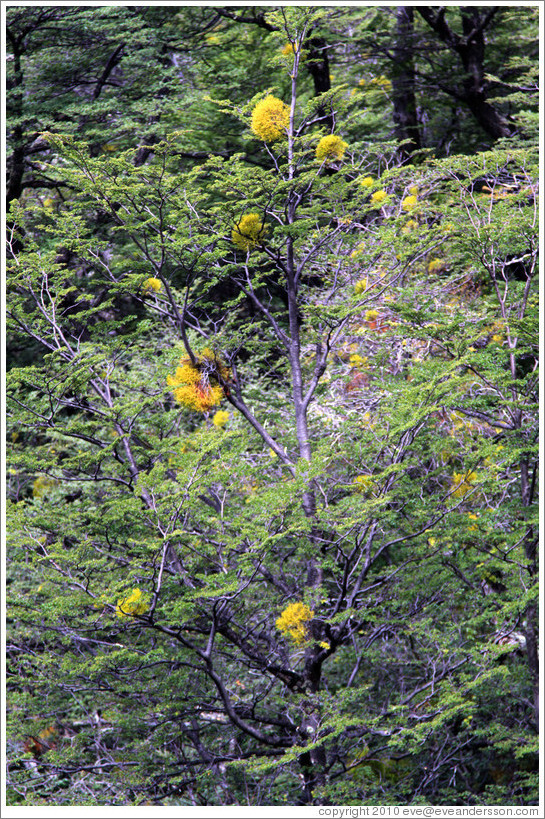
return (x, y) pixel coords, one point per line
(437, 266)
(409, 202)
(380, 82)
(195, 385)
(331, 147)
(293, 622)
(289, 49)
(411, 225)
(357, 360)
(363, 483)
(134, 604)
(152, 285)
(378, 197)
(360, 287)
(498, 330)
(220, 418)
(249, 232)
(473, 527)
(462, 483)
(42, 485)
(270, 119)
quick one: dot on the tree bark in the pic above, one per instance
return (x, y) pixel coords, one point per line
(472, 53)
(16, 162)
(403, 85)
(531, 626)
(318, 68)
(470, 48)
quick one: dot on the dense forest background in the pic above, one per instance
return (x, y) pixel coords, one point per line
(272, 405)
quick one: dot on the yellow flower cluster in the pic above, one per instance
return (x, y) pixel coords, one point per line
(473, 527)
(195, 386)
(436, 266)
(498, 330)
(42, 485)
(152, 285)
(462, 483)
(270, 119)
(363, 483)
(220, 418)
(331, 147)
(293, 622)
(462, 425)
(135, 603)
(410, 225)
(367, 182)
(380, 82)
(357, 360)
(378, 197)
(409, 202)
(360, 287)
(291, 49)
(249, 232)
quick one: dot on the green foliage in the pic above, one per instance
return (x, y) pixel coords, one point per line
(323, 591)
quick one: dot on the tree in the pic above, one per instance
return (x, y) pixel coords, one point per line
(470, 48)
(467, 81)
(272, 499)
(403, 83)
(110, 70)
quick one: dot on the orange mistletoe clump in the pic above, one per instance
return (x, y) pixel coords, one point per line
(43, 742)
(196, 383)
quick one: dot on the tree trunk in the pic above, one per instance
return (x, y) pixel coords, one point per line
(313, 762)
(471, 50)
(472, 55)
(403, 85)
(318, 67)
(531, 626)
(16, 162)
